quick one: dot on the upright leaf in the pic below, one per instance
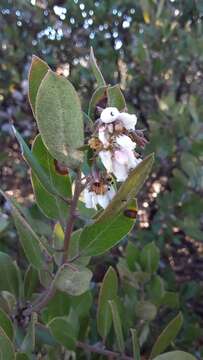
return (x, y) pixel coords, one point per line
(30, 242)
(82, 303)
(44, 336)
(117, 326)
(63, 332)
(96, 71)
(155, 289)
(59, 305)
(167, 336)
(60, 119)
(170, 299)
(34, 164)
(28, 344)
(8, 301)
(175, 355)
(6, 347)
(52, 205)
(149, 258)
(31, 282)
(132, 255)
(9, 281)
(136, 347)
(115, 97)
(108, 291)
(38, 70)
(6, 324)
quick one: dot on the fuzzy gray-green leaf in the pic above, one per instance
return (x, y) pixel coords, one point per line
(52, 206)
(38, 70)
(60, 119)
(74, 280)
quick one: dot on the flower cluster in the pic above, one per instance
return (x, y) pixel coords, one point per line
(114, 142)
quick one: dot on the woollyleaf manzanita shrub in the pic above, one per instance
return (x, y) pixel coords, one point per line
(86, 176)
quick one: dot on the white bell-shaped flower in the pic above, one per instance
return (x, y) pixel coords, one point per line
(120, 160)
(109, 115)
(125, 142)
(128, 120)
(106, 158)
(104, 135)
(92, 199)
(124, 160)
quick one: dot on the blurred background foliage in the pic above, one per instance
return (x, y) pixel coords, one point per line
(154, 49)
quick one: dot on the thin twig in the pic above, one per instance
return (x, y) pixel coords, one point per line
(46, 295)
(41, 301)
(99, 350)
(72, 216)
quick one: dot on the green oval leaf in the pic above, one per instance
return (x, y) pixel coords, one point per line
(60, 119)
(167, 336)
(136, 346)
(6, 347)
(115, 97)
(21, 356)
(175, 355)
(132, 256)
(32, 245)
(108, 291)
(73, 280)
(29, 341)
(52, 206)
(117, 326)
(10, 280)
(149, 258)
(59, 305)
(101, 236)
(82, 303)
(44, 336)
(31, 282)
(34, 164)
(96, 71)
(146, 310)
(170, 299)
(29, 240)
(155, 289)
(63, 332)
(6, 324)
(38, 70)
